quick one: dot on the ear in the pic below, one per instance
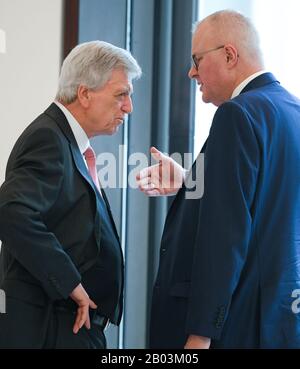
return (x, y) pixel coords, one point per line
(83, 96)
(231, 55)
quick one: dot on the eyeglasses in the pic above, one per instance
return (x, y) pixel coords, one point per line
(196, 59)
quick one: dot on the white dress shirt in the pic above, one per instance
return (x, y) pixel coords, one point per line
(78, 132)
(242, 85)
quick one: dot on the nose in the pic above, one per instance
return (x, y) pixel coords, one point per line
(192, 72)
(127, 106)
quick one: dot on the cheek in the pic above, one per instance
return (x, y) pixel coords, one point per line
(112, 113)
(114, 108)
(211, 77)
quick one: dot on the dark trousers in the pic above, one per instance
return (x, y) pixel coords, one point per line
(25, 325)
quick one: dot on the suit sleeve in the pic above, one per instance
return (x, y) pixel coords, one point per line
(224, 224)
(34, 179)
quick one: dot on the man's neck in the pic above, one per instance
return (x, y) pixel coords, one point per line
(245, 71)
(77, 113)
(239, 88)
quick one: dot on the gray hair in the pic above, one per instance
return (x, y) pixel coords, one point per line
(230, 26)
(91, 64)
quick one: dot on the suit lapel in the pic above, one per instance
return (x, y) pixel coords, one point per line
(62, 122)
(110, 214)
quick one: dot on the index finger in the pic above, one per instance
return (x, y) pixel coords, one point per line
(81, 317)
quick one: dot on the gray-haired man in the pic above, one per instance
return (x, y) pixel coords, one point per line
(61, 264)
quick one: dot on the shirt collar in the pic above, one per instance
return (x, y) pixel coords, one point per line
(78, 132)
(242, 85)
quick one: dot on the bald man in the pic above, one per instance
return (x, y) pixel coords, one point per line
(230, 261)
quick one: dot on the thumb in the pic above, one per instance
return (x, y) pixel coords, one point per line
(156, 154)
(92, 304)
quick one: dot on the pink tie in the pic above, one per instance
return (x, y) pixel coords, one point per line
(90, 158)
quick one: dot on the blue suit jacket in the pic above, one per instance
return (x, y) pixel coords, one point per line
(231, 261)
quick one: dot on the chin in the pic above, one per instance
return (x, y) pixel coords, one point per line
(113, 131)
(205, 99)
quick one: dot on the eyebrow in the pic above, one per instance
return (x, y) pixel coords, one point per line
(128, 90)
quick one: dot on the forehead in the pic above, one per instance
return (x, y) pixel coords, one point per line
(202, 38)
(119, 80)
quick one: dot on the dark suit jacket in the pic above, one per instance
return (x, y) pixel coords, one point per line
(230, 261)
(49, 216)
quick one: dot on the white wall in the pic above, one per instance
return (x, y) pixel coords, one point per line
(29, 69)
